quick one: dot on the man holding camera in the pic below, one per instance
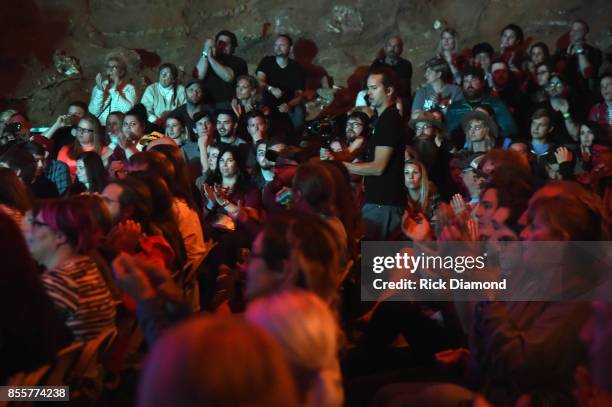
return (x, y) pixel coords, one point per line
(218, 68)
(351, 149)
(63, 131)
(383, 168)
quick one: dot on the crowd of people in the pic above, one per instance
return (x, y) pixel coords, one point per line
(213, 226)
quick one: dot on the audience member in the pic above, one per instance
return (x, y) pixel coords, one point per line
(283, 81)
(112, 91)
(438, 91)
(162, 97)
(218, 68)
(59, 233)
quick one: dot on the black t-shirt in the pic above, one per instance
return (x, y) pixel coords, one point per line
(288, 79)
(183, 114)
(216, 90)
(403, 70)
(388, 188)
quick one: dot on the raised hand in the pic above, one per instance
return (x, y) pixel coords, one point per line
(100, 81)
(563, 154)
(125, 237)
(417, 228)
(458, 204)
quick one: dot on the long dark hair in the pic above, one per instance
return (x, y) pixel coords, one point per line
(182, 185)
(162, 214)
(174, 73)
(598, 133)
(242, 180)
(95, 171)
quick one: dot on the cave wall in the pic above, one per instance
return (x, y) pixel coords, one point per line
(39, 37)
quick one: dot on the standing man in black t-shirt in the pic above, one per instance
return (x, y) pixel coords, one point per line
(383, 168)
(218, 68)
(402, 68)
(283, 81)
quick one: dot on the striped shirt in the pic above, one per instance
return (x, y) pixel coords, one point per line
(81, 296)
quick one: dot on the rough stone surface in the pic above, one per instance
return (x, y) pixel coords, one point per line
(337, 36)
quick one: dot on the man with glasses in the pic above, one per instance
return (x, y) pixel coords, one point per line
(350, 149)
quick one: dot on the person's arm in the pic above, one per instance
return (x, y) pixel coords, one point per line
(584, 65)
(351, 152)
(224, 72)
(382, 156)
(419, 100)
(148, 101)
(125, 100)
(181, 97)
(532, 351)
(107, 154)
(59, 123)
(96, 103)
(262, 78)
(297, 99)
(202, 64)
(562, 106)
(126, 145)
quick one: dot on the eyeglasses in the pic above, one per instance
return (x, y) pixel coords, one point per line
(476, 127)
(423, 126)
(112, 67)
(353, 124)
(36, 223)
(84, 130)
(553, 85)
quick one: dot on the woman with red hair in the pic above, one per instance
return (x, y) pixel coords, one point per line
(59, 234)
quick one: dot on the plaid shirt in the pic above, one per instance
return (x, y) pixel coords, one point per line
(59, 173)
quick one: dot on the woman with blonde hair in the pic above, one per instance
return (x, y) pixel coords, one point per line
(422, 195)
(112, 92)
(307, 331)
(481, 131)
(448, 49)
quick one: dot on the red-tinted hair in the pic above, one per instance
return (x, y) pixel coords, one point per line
(72, 218)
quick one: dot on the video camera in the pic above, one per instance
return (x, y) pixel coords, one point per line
(325, 128)
(13, 128)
